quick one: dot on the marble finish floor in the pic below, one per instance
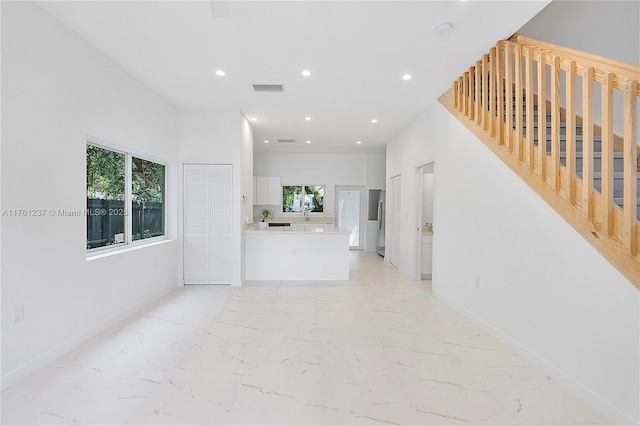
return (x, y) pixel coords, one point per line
(378, 349)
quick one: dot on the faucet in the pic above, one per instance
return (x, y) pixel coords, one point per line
(306, 214)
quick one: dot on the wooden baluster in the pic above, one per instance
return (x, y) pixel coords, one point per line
(484, 96)
(471, 93)
(630, 168)
(455, 94)
(587, 143)
(460, 82)
(518, 100)
(571, 131)
(555, 124)
(465, 93)
(478, 85)
(500, 93)
(607, 154)
(542, 118)
(508, 82)
(492, 91)
(529, 102)
(461, 102)
(460, 95)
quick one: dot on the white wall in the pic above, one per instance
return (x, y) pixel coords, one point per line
(217, 136)
(606, 28)
(57, 90)
(246, 183)
(366, 170)
(506, 260)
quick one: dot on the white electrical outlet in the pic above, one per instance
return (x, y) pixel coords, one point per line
(18, 314)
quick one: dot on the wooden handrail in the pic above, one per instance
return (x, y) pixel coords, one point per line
(498, 98)
(624, 71)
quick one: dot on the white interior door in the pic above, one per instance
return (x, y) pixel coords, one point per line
(348, 214)
(208, 196)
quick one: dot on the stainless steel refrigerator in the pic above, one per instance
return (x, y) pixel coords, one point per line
(381, 216)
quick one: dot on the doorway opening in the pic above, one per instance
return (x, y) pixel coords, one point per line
(425, 228)
(349, 214)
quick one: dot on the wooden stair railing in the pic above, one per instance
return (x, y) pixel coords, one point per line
(500, 100)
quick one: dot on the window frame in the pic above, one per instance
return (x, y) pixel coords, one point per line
(285, 213)
(129, 243)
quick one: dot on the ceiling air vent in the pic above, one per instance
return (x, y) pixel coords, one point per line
(268, 87)
(286, 140)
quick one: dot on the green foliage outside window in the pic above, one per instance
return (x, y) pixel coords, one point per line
(147, 181)
(296, 198)
(105, 174)
(291, 197)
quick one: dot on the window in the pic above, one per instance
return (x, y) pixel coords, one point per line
(125, 198)
(147, 199)
(297, 198)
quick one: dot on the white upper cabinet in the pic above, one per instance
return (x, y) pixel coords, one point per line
(275, 191)
(268, 190)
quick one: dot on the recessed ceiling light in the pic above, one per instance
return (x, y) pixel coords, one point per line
(306, 73)
(407, 77)
(220, 73)
(374, 121)
(308, 141)
(358, 142)
(254, 118)
(307, 118)
(266, 141)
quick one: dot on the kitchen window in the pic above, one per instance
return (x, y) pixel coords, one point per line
(125, 198)
(297, 198)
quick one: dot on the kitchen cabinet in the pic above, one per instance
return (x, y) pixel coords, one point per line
(268, 190)
(292, 254)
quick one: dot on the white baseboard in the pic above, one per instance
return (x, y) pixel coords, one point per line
(590, 397)
(34, 365)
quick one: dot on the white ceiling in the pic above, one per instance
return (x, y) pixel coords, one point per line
(357, 52)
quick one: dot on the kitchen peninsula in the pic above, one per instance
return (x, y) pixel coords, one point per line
(302, 251)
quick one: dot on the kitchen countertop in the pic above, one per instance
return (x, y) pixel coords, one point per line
(310, 229)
